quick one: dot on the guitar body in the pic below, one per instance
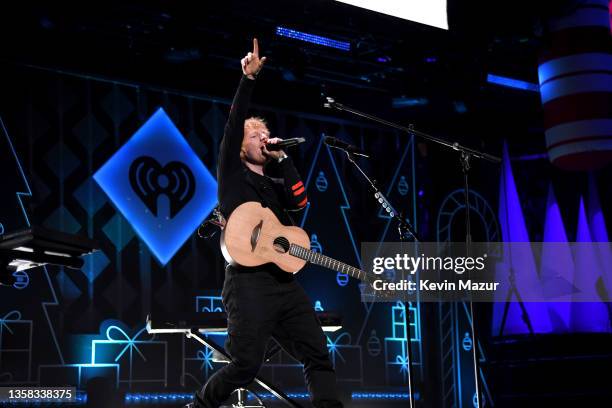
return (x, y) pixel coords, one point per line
(253, 236)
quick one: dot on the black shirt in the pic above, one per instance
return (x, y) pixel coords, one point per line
(237, 184)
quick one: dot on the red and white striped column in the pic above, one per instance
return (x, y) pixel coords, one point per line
(575, 74)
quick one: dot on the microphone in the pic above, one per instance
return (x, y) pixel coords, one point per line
(349, 148)
(294, 141)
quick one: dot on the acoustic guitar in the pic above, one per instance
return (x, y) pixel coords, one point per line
(254, 236)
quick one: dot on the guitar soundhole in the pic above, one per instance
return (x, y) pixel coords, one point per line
(281, 244)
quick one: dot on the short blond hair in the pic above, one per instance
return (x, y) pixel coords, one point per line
(254, 122)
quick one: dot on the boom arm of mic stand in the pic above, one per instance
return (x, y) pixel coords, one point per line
(332, 104)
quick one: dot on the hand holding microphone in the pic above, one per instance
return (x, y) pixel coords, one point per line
(274, 147)
(277, 143)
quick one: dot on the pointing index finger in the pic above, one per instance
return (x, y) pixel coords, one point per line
(255, 47)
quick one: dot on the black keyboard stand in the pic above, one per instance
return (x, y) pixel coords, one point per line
(196, 327)
(36, 246)
(197, 336)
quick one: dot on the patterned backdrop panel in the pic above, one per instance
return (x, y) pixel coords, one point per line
(67, 127)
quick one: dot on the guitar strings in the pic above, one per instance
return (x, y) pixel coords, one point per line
(273, 237)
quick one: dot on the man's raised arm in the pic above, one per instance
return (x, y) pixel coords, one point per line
(229, 151)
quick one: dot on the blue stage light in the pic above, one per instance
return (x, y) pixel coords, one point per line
(270, 396)
(380, 395)
(134, 398)
(459, 106)
(312, 38)
(512, 83)
(157, 397)
(409, 102)
(160, 186)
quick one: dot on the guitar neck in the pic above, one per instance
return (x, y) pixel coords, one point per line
(327, 262)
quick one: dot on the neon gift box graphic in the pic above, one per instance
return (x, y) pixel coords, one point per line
(137, 355)
(15, 346)
(346, 358)
(160, 186)
(396, 348)
(198, 366)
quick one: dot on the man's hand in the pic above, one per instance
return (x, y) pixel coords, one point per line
(274, 154)
(252, 64)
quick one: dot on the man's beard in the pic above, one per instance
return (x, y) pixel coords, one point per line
(261, 161)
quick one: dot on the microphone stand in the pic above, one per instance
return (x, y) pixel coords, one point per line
(465, 154)
(405, 230)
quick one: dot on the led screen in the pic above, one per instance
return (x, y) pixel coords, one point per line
(430, 12)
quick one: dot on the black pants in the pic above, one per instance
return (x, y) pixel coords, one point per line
(261, 305)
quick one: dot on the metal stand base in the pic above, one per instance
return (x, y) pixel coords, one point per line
(242, 395)
(194, 334)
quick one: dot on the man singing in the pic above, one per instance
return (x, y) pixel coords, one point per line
(263, 302)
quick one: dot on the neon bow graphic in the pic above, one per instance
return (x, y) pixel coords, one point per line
(332, 345)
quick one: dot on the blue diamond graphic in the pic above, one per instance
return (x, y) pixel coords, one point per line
(159, 185)
(62, 161)
(94, 264)
(62, 220)
(69, 290)
(90, 196)
(118, 231)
